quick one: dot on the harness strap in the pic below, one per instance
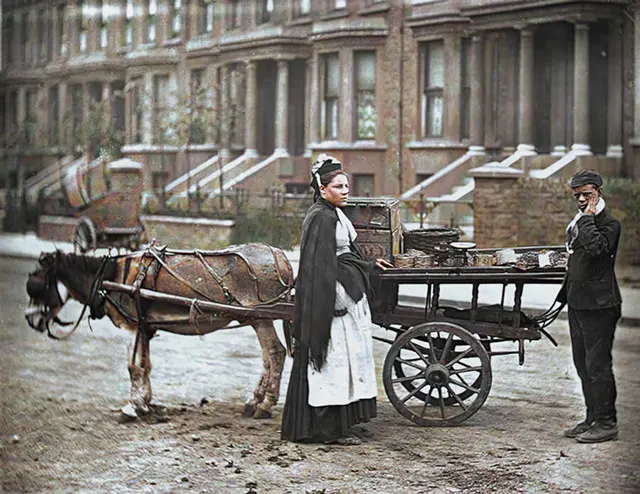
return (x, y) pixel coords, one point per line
(178, 277)
(227, 293)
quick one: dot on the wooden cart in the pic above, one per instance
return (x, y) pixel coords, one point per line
(437, 371)
(107, 201)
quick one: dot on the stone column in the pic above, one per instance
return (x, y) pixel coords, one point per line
(73, 17)
(477, 95)
(66, 32)
(526, 106)
(307, 105)
(148, 114)
(17, 46)
(314, 103)
(614, 107)
(55, 30)
(164, 19)
(225, 137)
(581, 90)
(63, 111)
(251, 109)
(559, 95)
(346, 101)
(282, 107)
(34, 37)
(106, 100)
(139, 22)
(212, 105)
(451, 124)
(93, 29)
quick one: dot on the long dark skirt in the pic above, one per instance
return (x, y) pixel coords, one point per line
(304, 423)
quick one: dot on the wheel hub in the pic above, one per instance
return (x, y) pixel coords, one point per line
(437, 375)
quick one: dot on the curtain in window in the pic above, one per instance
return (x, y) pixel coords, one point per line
(433, 100)
(331, 94)
(365, 94)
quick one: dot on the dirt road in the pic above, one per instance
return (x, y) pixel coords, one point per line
(60, 429)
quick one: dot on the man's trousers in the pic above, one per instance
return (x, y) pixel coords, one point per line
(592, 333)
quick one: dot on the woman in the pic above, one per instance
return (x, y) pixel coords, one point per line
(333, 381)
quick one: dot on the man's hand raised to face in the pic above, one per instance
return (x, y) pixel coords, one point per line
(591, 206)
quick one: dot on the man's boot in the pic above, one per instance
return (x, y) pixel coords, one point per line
(599, 432)
(577, 429)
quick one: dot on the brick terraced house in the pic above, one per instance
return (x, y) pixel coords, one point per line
(410, 95)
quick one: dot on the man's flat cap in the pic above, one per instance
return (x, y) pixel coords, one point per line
(586, 177)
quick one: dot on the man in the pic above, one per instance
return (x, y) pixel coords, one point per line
(591, 291)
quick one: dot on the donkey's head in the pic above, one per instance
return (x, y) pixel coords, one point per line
(61, 276)
(47, 294)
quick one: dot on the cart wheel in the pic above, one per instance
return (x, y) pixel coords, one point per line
(438, 343)
(84, 236)
(439, 373)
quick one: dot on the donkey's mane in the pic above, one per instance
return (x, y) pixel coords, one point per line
(69, 264)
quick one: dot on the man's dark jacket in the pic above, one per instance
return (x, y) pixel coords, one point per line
(590, 282)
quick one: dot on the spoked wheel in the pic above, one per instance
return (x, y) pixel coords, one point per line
(437, 384)
(439, 342)
(84, 236)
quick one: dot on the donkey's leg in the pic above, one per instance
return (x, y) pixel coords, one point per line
(251, 406)
(139, 371)
(274, 353)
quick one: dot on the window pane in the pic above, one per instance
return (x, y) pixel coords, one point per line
(366, 115)
(435, 70)
(434, 108)
(363, 185)
(340, 4)
(332, 75)
(210, 14)
(304, 6)
(365, 70)
(331, 112)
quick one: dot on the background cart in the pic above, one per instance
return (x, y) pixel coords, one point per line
(107, 199)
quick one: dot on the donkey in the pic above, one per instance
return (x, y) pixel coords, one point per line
(245, 276)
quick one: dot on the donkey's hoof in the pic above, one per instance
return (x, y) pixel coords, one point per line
(128, 413)
(262, 414)
(249, 410)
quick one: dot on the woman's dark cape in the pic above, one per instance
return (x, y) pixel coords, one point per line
(318, 272)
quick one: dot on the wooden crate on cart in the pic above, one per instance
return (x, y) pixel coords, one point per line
(377, 222)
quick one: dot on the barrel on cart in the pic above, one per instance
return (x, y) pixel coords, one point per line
(107, 198)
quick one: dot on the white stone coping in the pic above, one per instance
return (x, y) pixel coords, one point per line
(57, 220)
(125, 164)
(363, 145)
(435, 144)
(149, 148)
(186, 220)
(495, 170)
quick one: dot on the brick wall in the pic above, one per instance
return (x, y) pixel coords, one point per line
(177, 233)
(512, 212)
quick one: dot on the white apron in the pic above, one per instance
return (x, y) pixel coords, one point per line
(349, 374)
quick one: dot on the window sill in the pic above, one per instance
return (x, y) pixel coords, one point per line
(300, 21)
(173, 41)
(335, 14)
(376, 8)
(435, 144)
(357, 145)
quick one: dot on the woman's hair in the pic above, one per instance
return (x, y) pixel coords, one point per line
(325, 180)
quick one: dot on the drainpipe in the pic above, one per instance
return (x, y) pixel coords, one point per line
(400, 105)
